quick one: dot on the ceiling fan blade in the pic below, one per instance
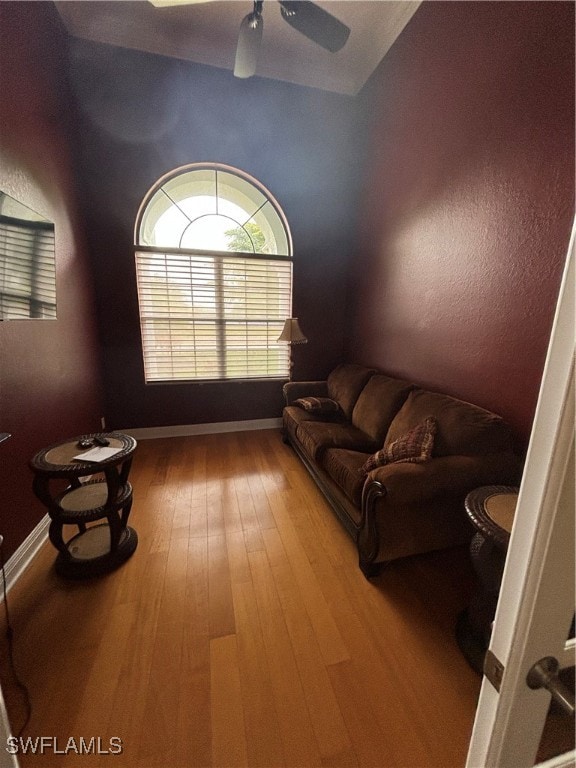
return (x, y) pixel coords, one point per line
(316, 23)
(249, 39)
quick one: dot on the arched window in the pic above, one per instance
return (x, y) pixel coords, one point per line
(214, 271)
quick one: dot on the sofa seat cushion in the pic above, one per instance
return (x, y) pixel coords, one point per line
(316, 436)
(344, 466)
(345, 383)
(463, 429)
(378, 403)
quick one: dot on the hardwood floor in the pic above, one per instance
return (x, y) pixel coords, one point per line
(241, 632)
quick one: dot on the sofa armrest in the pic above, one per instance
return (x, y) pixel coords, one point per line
(412, 508)
(294, 389)
(407, 483)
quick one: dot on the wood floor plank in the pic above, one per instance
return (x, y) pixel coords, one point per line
(215, 515)
(197, 612)
(230, 506)
(257, 490)
(331, 643)
(299, 743)
(183, 501)
(384, 672)
(325, 531)
(264, 744)
(253, 540)
(238, 558)
(157, 532)
(156, 743)
(263, 512)
(393, 629)
(377, 674)
(241, 631)
(245, 502)
(227, 712)
(92, 708)
(406, 635)
(196, 461)
(220, 601)
(370, 742)
(135, 662)
(192, 730)
(325, 716)
(193, 727)
(174, 599)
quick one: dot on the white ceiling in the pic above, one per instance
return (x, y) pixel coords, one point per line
(207, 33)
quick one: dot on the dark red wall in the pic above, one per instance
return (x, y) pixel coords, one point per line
(49, 376)
(469, 199)
(142, 115)
(466, 210)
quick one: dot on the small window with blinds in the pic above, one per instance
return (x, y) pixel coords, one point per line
(214, 273)
(27, 268)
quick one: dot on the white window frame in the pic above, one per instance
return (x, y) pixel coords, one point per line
(209, 314)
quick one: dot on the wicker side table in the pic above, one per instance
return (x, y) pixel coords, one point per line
(491, 509)
(95, 491)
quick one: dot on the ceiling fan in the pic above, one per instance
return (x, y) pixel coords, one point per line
(308, 18)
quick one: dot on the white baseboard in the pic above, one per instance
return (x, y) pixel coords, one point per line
(184, 430)
(21, 559)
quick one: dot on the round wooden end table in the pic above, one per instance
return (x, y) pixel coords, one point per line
(491, 510)
(92, 490)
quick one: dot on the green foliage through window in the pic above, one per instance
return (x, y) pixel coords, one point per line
(248, 239)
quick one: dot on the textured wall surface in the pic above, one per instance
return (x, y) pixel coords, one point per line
(469, 199)
(466, 211)
(49, 369)
(142, 115)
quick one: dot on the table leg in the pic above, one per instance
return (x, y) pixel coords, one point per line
(55, 536)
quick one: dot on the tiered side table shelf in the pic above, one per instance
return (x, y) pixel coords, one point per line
(95, 491)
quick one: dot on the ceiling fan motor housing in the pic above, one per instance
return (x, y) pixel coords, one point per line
(308, 18)
(256, 15)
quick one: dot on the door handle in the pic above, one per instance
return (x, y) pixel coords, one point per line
(544, 674)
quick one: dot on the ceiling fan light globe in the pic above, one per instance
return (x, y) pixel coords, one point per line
(248, 47)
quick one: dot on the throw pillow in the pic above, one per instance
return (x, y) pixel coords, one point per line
(317, 404)
(415, 446)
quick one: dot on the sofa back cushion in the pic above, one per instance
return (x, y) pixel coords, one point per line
(463, 429)
(345, 383)
(378, 403)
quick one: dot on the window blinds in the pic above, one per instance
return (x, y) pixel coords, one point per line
(27, 269)
(213, 315)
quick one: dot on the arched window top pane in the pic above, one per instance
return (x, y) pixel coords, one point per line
(212, 208)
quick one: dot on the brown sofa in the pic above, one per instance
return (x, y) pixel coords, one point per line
(398, 509)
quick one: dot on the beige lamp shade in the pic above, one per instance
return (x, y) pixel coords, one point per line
(292, 333)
